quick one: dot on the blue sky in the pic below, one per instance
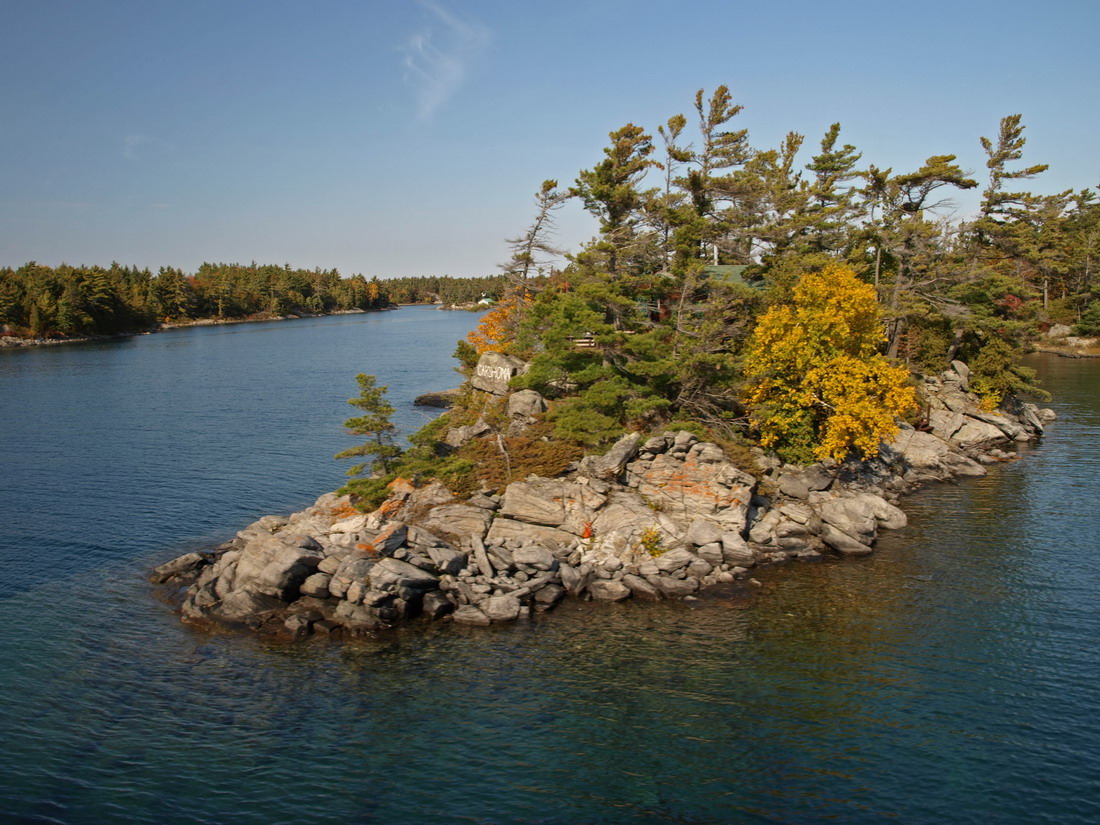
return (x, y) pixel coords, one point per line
(400, 137)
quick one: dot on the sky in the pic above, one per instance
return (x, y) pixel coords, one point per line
(408, 137)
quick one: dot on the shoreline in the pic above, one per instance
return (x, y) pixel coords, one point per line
(668, 517)
(13, 342)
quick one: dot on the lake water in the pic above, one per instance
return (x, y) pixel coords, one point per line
(954, 676)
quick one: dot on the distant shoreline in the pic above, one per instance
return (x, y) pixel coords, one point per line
(14, 342)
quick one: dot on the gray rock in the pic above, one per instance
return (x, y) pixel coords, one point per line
(623, 521)
(945, 423)
(1030, 416)
(245, 605)
(534, 556)
(1010, 428)
(549, 595)
(526, 404)
(575, 579)
(457, 522)
(793, 486)
(736, 551)
(672, 588)
(481, 558)
(843, 543)
(886, 514)
(351, 524)
(673, 560)
(505, 608)
(854, 516)
(468, 614)
(978, 435)
(330, 564)
(706, 453)
(447, 559)
(963, 372)
(316, 585)
(390, 572)
(297, 626)
(817, 478)
(177, 568)
(268, 565)
(930, 457)
(703, 531)
(494, 371)
(552, 503)
(356, 615)
(686, 490)
(640, 588)
(612, 465)
(764, 528)
(436, 605)
(505, 529)
(460, 436)
(266, 525)
(376, 598)
(390, 539)
(609, 590)
(683, 441)
(484, 502)
(699, 568)
(352, 568)
(355, 591)
(199, 601)
(501, 559)
(712, 553)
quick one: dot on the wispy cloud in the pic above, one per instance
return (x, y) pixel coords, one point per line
(438, 57)
(137, 145)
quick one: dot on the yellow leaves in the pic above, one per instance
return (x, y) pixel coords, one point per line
(498, 327)
(862, 399)
(818, 386)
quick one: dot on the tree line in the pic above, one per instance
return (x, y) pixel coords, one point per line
(673, 311)
(71, 301)
(445, 289)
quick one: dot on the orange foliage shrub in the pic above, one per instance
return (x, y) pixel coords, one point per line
(498, 327)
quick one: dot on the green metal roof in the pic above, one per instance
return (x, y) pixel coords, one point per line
(732, 274)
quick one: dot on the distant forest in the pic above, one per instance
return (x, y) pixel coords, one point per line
(71, 301)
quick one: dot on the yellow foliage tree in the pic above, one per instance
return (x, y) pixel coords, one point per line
(498, 327)
(817, 384)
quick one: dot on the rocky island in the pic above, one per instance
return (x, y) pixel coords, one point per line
(658, 517)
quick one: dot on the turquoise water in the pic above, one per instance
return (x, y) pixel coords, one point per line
(952, 677)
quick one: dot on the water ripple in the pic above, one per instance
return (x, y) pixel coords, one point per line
(950, 677)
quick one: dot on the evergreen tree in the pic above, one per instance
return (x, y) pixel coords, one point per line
(610, 190)
(374, 422)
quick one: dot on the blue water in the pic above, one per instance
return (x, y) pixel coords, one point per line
(951, 677)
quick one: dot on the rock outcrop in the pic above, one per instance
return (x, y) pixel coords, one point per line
(656, 518)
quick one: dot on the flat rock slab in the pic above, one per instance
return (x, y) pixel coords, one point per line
(504, 608)
(609, 590)
(468, 614)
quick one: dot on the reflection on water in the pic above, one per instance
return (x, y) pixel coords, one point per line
(949, 677)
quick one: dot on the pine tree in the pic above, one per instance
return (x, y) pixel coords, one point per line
(374, 422)
(610, 190)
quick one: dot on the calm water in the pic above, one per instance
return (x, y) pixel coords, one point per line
(953, 677)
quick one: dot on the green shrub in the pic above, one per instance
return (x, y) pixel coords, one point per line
(1090, 320)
